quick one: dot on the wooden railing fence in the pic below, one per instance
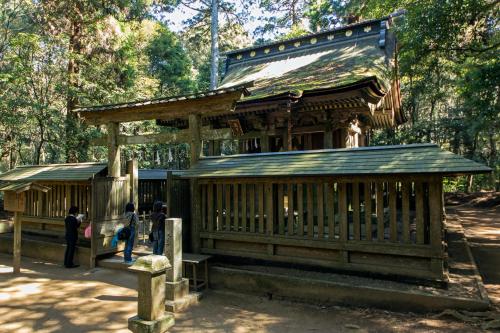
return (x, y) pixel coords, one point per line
(401, 217)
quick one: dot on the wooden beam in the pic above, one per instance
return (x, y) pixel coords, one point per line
(113, 150)
(177, 137)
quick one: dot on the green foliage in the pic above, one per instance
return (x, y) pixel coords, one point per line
(170, 64)
(57, 55)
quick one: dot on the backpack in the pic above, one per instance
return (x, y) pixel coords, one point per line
(124, 233)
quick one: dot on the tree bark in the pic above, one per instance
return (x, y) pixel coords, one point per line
(214, 60)
(73, 71)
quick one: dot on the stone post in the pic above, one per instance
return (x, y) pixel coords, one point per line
(177, 287)
(151, 316)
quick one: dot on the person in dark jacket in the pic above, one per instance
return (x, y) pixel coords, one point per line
(71, 223)
(131, 221)
(158, 228)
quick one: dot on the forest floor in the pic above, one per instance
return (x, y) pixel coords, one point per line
(49, 298)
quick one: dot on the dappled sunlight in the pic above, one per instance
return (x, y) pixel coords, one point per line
(49, 298)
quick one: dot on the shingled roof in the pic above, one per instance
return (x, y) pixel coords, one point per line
(421, 159)
(53, 172)
(330, 59)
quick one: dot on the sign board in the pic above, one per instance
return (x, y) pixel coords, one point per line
(14, 202)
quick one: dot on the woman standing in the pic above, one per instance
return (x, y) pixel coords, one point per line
(132, 221)
(158, 228)
(71, 224)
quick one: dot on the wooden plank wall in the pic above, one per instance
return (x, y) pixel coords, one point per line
(110, 195)
(151, 191)
(379, 215)
(45, 212)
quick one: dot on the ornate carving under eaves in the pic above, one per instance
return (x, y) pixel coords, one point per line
(340, 119)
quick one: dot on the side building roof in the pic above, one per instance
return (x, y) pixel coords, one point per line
(53, 172)
(384, 160)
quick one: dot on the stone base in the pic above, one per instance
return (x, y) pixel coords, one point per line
(137, 325)
(183, 303)
(176, 290)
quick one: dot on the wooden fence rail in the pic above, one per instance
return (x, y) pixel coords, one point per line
(381, 216)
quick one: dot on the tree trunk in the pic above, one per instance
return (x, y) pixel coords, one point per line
(214, 30)
(493, 157)
(71, 122)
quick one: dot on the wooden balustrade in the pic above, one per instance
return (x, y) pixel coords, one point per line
(382, 212)
(56, 202)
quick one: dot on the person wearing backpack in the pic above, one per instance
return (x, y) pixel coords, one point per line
(158, 228)
(132, 221)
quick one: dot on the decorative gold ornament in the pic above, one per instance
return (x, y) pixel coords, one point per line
(239, 56)
(252, 54)
(296, 44)
(368, 29)
(281, 47)
(330, 37)
(313, 40)
(348, 33)
(266, 51)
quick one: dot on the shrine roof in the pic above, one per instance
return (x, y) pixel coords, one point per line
(415, 159)
(53, 172)
(330, 59)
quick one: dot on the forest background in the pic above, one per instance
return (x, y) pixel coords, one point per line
(58, 55)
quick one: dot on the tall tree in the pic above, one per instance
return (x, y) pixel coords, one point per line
(214, 45)
(206, 33)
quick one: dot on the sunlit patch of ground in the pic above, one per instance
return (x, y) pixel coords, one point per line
(49, 298)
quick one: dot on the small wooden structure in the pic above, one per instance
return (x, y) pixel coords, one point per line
(374, 209)
(101, 199)
(15, 201)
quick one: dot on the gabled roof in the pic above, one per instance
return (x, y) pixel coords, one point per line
(369, 161)
(54, 172)
(329, 59)
(19, 187)
(208, 102)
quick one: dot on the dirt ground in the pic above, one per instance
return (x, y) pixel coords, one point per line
(48, 298)
(482, 229)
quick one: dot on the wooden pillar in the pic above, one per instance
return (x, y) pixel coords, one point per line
(169, 188)
(264, 142)
(287, 143)
(133, 174)
(195, 215)
(114, 167)
(217, 147)
(328, 139)
(195, 143)
(195, 137)
(344, 137)
(17, 243)
(211, 147)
